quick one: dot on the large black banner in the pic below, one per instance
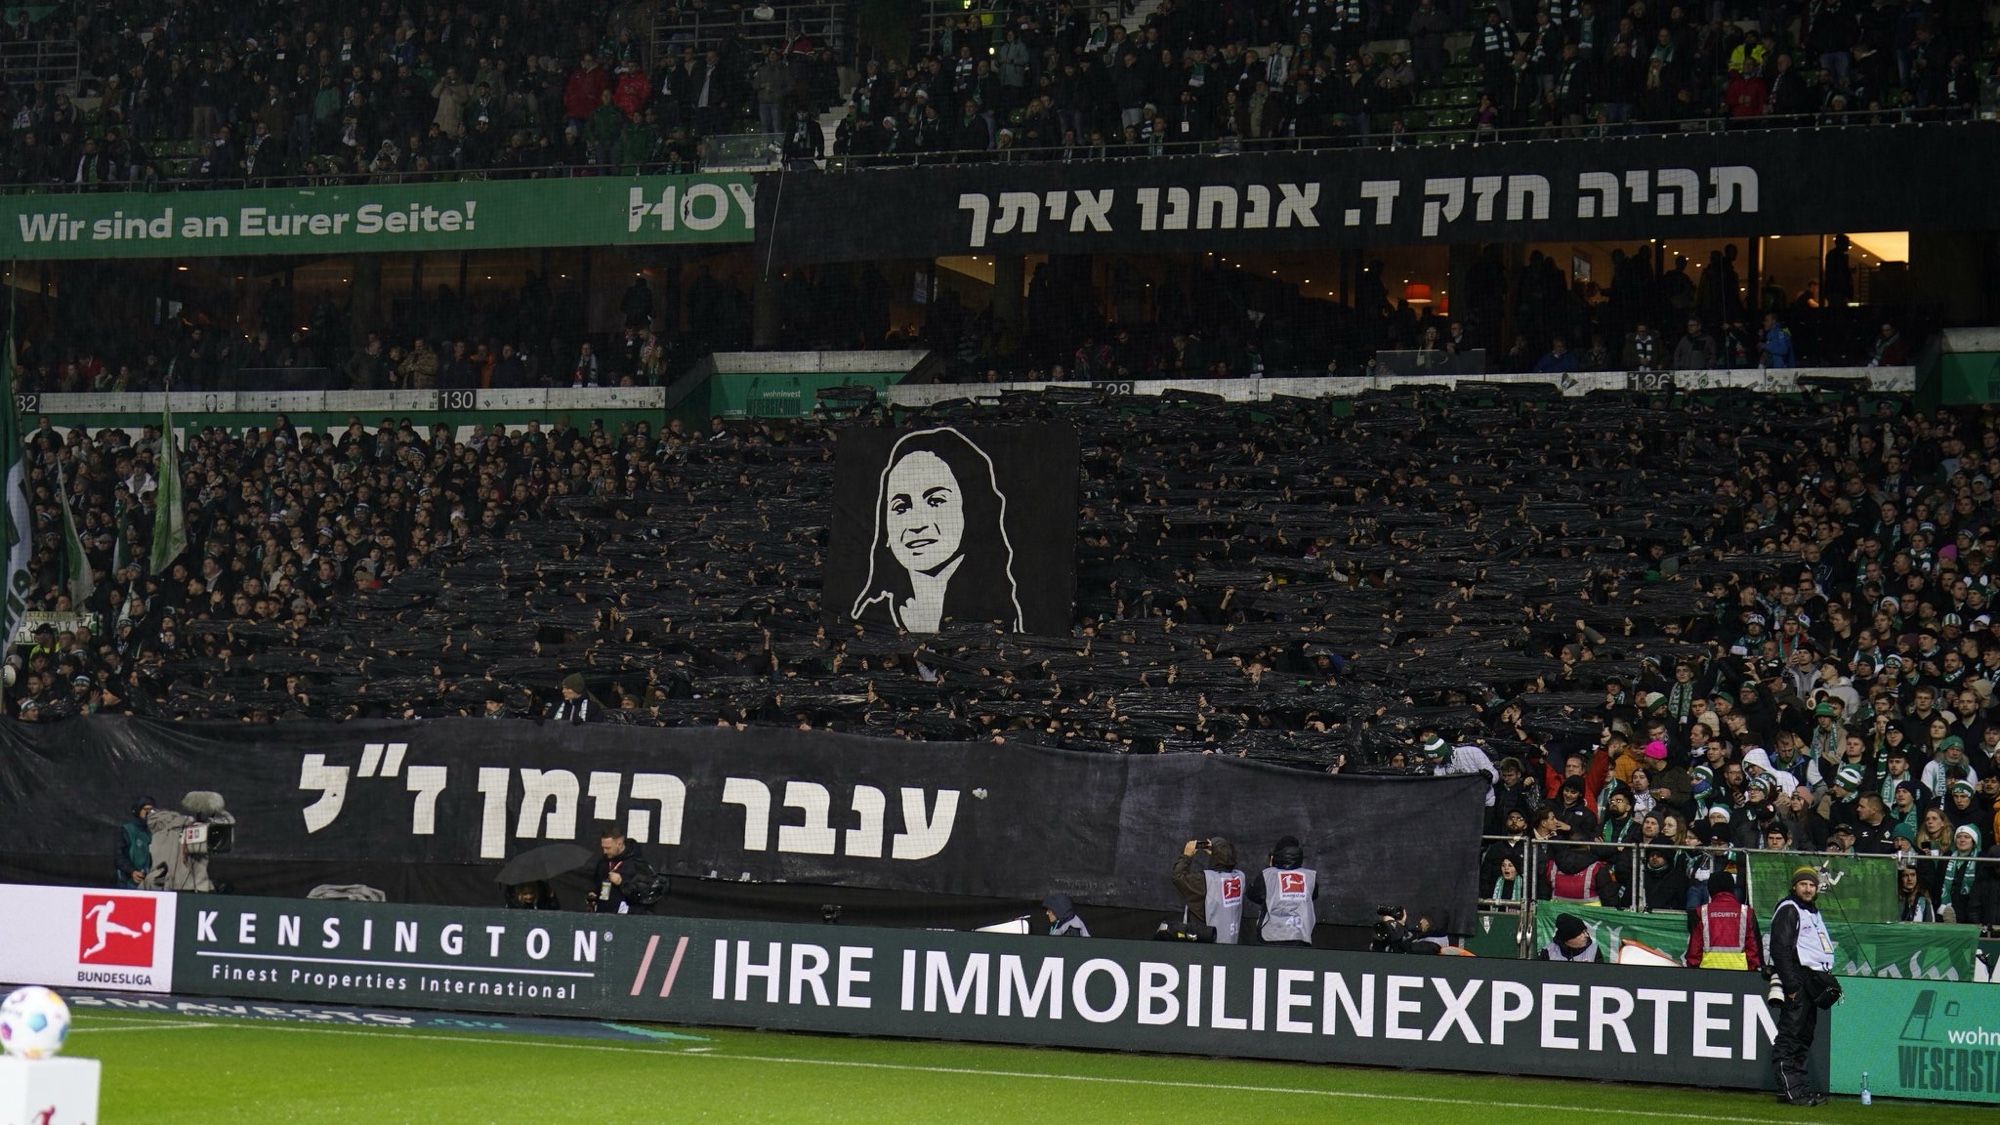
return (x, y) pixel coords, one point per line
(954, 525)
(1727, 185)
(999, 821)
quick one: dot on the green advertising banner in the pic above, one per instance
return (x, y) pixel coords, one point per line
(1917, 1040)
(1852, 888)
(784, 394)
(1893, 950)
(1444, 1013)
(381, 218)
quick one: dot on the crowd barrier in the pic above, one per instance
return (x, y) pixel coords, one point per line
(1854, 888)
(1880, 380)
(332, 411)
(741, 383)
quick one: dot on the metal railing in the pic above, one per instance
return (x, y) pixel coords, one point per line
(1627, 861)
(345, 179)
(1431, 136)
(753, 151)
(675, 26)
(57, 62)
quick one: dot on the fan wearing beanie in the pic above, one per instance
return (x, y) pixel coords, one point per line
(1572, 942)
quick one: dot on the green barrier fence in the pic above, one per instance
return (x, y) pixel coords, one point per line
(1922, 951)
(785, 394)
(1856, 888)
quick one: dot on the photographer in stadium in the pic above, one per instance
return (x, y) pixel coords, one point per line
(1285, 894)
(1211, 889)
(1802, 964)
(625, 883)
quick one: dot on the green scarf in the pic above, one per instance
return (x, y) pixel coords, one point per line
(1680, 701)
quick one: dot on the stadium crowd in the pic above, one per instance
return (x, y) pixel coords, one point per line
(1664, 611)
(262, 91)
(1249, 72)
(259, 92)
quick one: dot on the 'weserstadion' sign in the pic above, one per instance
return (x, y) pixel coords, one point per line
(1930, 1039)
(380, 218)
(1654, 1025)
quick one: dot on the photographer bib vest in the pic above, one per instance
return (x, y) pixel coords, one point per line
(1222, 908)
(1815, 945)
(1288, 904)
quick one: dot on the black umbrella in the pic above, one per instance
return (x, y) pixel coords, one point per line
(541, 864)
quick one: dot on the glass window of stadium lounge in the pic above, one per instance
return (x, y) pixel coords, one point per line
(319, 311)
(1300, 294)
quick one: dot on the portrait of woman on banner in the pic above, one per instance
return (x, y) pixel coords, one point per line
(940, 552)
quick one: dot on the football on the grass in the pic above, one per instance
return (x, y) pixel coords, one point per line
(33, 1023)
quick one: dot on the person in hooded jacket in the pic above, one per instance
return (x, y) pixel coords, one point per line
(1663, 881)
(1212, 892)
(1062, 917)
(1285, 894)
(135, 847)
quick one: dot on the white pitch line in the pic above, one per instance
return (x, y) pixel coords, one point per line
(1233, 1088)
(151, 1025)
(1157, 1083)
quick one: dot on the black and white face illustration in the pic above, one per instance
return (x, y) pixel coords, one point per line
(926, 512)
(940, 550)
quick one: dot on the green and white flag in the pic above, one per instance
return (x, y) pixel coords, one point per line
(76, 563)
(170, 537)
(17, 529)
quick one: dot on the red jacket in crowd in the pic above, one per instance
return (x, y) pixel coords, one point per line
(584, 90)
(631, 92)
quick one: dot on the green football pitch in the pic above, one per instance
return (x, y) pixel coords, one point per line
(174, 1068)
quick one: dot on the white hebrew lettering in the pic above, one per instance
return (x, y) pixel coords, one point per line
(979, 205)
(755, 797)
(1596, 195)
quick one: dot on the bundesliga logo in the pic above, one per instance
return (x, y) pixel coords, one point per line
(116, 930)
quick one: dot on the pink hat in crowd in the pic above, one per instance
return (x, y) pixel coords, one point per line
(1656, 750)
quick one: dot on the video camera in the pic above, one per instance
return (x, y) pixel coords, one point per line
(1395, 933)
(1392, 934)
(210, 830)
(184, 841)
